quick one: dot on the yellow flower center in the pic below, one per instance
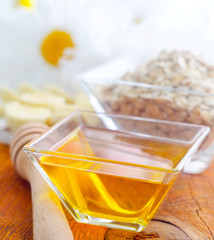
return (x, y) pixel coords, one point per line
(138, 20)
(53, 45)
(25, 3)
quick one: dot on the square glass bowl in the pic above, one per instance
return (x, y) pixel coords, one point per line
(107, 172)
(108, 93)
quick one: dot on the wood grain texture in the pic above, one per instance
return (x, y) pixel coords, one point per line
(49, 221)
(187, 212)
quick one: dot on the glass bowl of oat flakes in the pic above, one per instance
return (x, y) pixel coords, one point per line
(174, 86)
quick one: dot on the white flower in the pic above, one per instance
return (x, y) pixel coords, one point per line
(36, 43)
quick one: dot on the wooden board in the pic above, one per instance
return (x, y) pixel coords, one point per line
(187, 212)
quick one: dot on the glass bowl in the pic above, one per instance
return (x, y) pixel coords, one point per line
(108, 93)
(107, 172)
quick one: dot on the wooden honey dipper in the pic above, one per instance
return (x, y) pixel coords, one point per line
(49, 221)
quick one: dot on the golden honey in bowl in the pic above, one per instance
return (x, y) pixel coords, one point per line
(103, 194)
(113, 170)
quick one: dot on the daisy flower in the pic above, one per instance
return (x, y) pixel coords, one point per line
(39, 40)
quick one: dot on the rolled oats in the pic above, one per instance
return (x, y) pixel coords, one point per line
(193, 101)
(181, 83)
(208, 101)
(181, 101)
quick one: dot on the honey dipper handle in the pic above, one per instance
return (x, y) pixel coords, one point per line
(49, 221)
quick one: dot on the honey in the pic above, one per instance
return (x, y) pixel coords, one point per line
(118, 180)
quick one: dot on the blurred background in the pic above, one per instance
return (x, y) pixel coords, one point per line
(52, 40)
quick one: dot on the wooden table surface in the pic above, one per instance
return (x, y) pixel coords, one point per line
(187, 212)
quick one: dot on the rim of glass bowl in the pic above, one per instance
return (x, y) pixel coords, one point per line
(119, 81)
(196, 141)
